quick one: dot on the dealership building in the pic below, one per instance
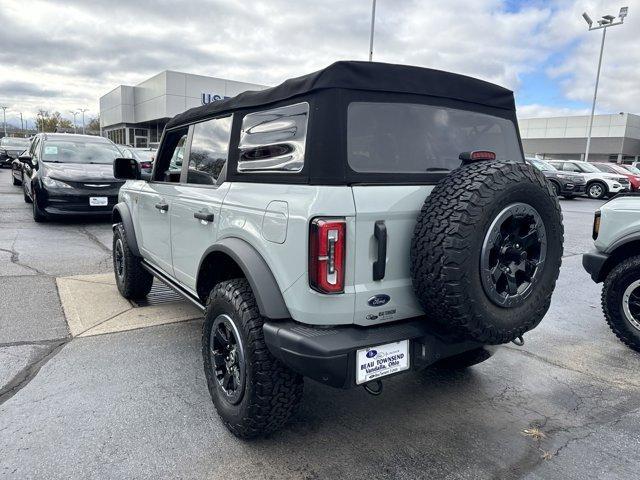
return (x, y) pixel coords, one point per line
(136, 115)
(614, 138)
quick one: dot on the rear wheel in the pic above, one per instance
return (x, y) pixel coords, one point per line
(621, 302)
(132, 279)
(253, 392)
(597, 190)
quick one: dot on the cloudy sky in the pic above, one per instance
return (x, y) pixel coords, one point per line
(63, 55)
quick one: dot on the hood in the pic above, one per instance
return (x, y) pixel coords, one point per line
(79, 172)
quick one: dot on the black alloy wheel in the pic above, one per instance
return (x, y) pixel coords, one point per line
(118, 259)
(513, 253)
(227, 358)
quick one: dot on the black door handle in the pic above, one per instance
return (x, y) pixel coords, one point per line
(379, 266)
(207, 217)
(163, 207)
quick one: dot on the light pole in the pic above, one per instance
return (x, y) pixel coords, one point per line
(21, 124)
(373, 23)
(604, 23)
(75, 125)
(4, 118)
(83, 110)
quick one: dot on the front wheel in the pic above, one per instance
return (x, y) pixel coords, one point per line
(621, 302)
(597, 190)
(132, 279)
(569, 197)
(38, 213)
(253, 392)
(16, 182)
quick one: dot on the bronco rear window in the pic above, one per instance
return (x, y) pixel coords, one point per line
(417, 138)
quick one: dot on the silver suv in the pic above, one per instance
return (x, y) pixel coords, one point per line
(599, 184)
(355, 223)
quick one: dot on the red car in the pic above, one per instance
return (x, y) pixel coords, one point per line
(632, 173)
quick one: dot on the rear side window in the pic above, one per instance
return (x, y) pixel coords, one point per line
(416, 138)
(274, 140)
(209, 150)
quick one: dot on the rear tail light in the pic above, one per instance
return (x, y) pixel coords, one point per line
(596, 225)
(477, 155)
(145, 164)
(327, 254)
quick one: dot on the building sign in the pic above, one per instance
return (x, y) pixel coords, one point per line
(211, 97)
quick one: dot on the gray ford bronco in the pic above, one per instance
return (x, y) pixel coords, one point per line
(355, 223)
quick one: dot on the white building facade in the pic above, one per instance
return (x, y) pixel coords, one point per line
(614, 138)
(136, 115)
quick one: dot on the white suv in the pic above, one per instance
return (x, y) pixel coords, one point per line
(616, 262)
(599, 184)
(355, 223)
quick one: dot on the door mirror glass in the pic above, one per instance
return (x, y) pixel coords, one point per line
(126, 169)
(25, 158)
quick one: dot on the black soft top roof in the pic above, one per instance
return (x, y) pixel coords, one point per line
(367, 76)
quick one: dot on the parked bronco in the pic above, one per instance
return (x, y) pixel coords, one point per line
(616, 262)
(348, 225)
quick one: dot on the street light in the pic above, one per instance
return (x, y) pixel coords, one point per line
(606, 22)
(83, 110)
(4, 118)
(75, 126)
(373, 22)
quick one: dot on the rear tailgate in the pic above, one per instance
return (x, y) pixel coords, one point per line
(397, 206)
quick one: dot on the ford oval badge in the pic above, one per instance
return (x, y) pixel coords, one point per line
(371, 353)
(378, 300)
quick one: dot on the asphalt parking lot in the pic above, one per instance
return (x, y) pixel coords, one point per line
(134, 404)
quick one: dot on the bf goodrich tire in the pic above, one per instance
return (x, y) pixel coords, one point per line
(132, 279)
(621, 301)
(486, 251)
(253, 392)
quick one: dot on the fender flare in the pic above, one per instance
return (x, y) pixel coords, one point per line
(122, 210)
(263, 284)
(622, 241)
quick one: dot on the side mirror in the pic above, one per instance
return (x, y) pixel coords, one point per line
(25, 158)
(126, 169)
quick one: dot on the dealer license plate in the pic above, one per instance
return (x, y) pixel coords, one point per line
(382, 360)
(98, 201)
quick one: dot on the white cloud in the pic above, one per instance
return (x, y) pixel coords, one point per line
(73, 53)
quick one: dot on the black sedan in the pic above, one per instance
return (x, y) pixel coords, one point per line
(70, 175)
(566, 184)
(11, 148)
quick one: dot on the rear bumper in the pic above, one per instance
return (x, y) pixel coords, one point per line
(593, 262)
(328, 355)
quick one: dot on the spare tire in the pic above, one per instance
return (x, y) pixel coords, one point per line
(486, 251)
